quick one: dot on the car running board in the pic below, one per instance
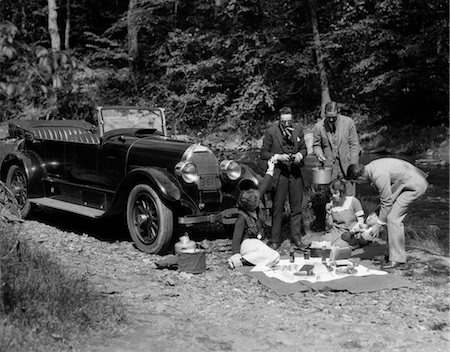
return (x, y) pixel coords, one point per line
(73, 208)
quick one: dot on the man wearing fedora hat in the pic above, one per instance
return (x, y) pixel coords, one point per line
(336, 144)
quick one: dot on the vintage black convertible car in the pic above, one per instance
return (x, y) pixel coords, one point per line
(123, 163)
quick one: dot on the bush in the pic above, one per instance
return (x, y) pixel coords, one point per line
(46, 305)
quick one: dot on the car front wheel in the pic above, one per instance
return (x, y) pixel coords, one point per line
(149, 220)
(16, 181)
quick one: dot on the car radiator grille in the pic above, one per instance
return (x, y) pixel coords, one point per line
(209, 182)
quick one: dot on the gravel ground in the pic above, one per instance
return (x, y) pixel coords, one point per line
(224, 310)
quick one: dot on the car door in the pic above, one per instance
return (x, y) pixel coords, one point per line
(81, 163)
(112, 159)
(54, 156)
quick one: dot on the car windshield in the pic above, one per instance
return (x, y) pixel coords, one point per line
(115, 118)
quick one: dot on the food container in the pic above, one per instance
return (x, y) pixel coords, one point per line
(320, 253)
(307, 254)
(340, 253)
(321, 175)
(192, 261)
(320, 249)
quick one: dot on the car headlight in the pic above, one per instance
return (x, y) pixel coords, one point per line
(231, 169)
(187, 171)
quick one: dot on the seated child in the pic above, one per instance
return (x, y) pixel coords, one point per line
(247, 245)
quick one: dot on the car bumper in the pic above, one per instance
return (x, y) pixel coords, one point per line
(226, 217)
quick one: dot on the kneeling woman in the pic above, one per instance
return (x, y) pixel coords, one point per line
(247, 245)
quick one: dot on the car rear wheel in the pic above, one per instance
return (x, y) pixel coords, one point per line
(16, 181)
(149, 220)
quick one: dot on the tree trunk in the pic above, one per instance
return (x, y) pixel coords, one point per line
(56, 45)
(325, 92)
(133, 31)
(67, 29)
(53, 26)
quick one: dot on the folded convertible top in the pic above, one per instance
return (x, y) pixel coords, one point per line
(26, 128)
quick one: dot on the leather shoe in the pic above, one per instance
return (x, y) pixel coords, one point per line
(393, 265)
(381, 258)
(274, 245)
(298, 244)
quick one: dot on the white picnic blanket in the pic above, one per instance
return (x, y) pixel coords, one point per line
(285, 270)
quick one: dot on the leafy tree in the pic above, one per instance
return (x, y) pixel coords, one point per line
(389, 56)
(232, 63)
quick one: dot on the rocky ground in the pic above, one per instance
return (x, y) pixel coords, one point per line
(224, 310)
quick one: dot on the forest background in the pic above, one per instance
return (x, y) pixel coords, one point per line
(227, 66)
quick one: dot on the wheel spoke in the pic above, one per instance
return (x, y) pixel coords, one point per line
(149, 220)
(19, 188)
(145, 219)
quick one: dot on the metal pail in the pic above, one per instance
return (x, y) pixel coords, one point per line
(321, 175)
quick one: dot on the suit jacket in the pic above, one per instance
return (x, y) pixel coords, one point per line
(347, 139)
(273, 144)
(391, 176)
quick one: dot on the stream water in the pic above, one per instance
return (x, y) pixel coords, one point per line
(430, 213)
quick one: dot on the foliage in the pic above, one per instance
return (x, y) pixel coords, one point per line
(26, 72)
(233, 64)
(209, 84)
(45, 304)
(391, 53)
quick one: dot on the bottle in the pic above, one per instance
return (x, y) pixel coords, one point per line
(307, 254)
(185, 244)
(292, 256)
(324, 254)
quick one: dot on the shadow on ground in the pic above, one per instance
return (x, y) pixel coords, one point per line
(108, 229)
(112, 229)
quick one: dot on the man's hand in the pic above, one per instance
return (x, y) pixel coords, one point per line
(321, 158)
(283, 157)
(355, 228)
(298, 157)
(376, 230)
(271, 165)
(367, 234)
(276, 158)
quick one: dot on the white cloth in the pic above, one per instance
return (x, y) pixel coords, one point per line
(284, 271)
(258, 253)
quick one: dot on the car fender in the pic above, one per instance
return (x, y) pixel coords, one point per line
(249, 178)
(33, 166)
(164, 183)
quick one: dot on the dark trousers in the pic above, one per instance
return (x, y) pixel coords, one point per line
(292, 185)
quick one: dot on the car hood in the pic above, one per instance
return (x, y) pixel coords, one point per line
(162, 152)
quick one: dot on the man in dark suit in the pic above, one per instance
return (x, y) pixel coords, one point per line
(285, 141)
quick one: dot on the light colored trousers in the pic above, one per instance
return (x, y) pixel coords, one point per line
(257, 252)
(395, 227)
